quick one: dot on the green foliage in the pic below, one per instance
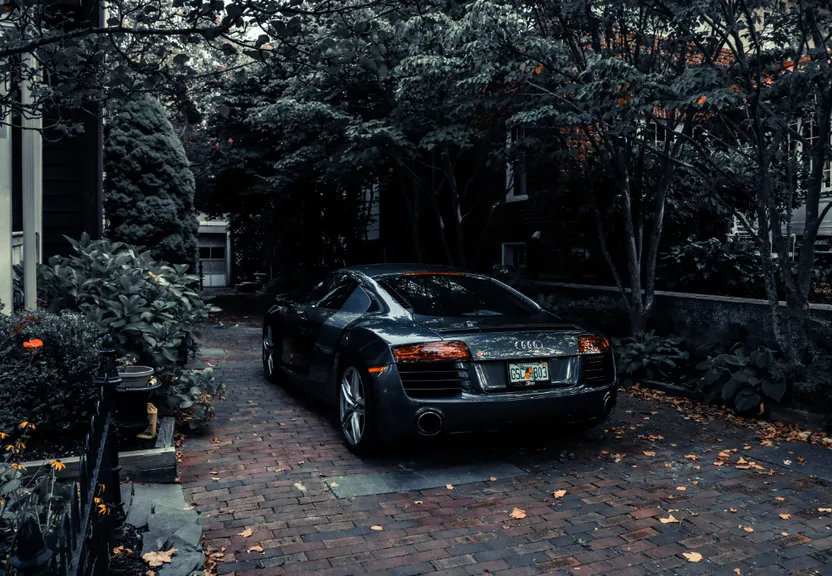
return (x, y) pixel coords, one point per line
(149, 186)
(730, 267)
(152, 309)
(646, 355)
(48, 385)
(742, 379)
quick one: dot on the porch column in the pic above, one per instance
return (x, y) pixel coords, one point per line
(6, 280)
(32, 197)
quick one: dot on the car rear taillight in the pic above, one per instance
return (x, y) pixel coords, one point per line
(592, 344)
(438, 351)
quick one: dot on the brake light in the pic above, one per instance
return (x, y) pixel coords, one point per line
(432, 351)
(592, 344)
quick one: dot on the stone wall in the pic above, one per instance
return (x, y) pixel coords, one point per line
(698, 317)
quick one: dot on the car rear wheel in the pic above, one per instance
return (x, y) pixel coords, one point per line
(356, 415)
(269, 355)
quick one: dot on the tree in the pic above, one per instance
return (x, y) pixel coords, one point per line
(773, 103)
(149, 186)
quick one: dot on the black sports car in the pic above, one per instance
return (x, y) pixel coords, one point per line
(407, 349)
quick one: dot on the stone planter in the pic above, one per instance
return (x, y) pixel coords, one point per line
(132, 396)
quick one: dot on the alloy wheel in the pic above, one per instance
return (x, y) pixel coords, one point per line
(352, 404)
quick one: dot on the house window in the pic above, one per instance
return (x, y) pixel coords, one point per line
(657, 132)
(514, 254)
(810, 134)
(212, 252)
(515, 168)
(371, 196)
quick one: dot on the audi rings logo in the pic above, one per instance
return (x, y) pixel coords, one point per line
(528, 344)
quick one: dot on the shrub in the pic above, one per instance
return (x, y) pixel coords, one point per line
(46, 366)
(646, 355)
(742, 378)
(149, 187)
(595, 313)
(152, 309)
(730, 267)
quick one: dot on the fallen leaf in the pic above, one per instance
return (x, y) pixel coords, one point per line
(215, 440)
(737, 571)
(691, 456)
(518, 514)
(732, 510)
(215, 478)
(787, 462)
(156, 559)
(681, 488)
(748, 529)
(692, 556)
(334, 484)
(785, 516)
(449, 486)
(742, 461)
(669, 520)
(246, 533)
(376, 528)
(417, 502)
(784, 533)
(255, 549)
(825, 510)
(801, 459)
(649, 453)
(559, 493)
(150, 573)
(779, 498)
(493, 479)
(299, 486)
(746, 447)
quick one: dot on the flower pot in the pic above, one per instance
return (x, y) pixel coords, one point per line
(132, 396)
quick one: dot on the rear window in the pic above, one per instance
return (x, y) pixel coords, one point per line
(455, 295)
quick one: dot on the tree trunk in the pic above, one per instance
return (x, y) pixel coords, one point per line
(412, 212)
(455, 206)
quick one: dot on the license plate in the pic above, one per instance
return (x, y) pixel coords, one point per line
(528, 373)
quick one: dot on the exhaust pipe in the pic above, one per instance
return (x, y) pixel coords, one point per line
(429, 423)
(609, 404)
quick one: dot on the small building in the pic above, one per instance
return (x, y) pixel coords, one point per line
(214, 252)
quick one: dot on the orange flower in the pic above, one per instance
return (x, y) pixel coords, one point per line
(701, 100)
(33, 343)
(57, 465)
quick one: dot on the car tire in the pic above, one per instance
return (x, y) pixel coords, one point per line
(270, 348)
(356, 411)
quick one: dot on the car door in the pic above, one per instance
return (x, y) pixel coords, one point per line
(294, 327)
(315, 313)
(351, 305)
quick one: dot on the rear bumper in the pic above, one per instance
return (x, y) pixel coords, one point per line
(398, 413)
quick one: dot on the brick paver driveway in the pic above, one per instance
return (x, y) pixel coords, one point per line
(640, 496)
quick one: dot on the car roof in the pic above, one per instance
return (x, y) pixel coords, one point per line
(379, 270)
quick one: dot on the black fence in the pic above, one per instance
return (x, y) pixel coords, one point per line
(86, 529)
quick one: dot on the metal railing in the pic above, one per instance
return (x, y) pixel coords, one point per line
(86, 528)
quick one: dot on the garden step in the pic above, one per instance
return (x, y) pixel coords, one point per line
(187, 537)
(126, 497)
(155, 541)
(146, 497)
(183, 564)
(170, 519)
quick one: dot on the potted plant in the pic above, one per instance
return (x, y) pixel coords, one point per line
(133, 394)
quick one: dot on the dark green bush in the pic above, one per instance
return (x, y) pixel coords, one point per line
(49, 385)
(730, 268)
(607, 315)
(743, 379)
(646, 355)
(151, 309)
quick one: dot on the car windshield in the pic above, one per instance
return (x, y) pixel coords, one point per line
(443, 294)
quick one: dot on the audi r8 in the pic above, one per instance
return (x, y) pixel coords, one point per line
(408, 350)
